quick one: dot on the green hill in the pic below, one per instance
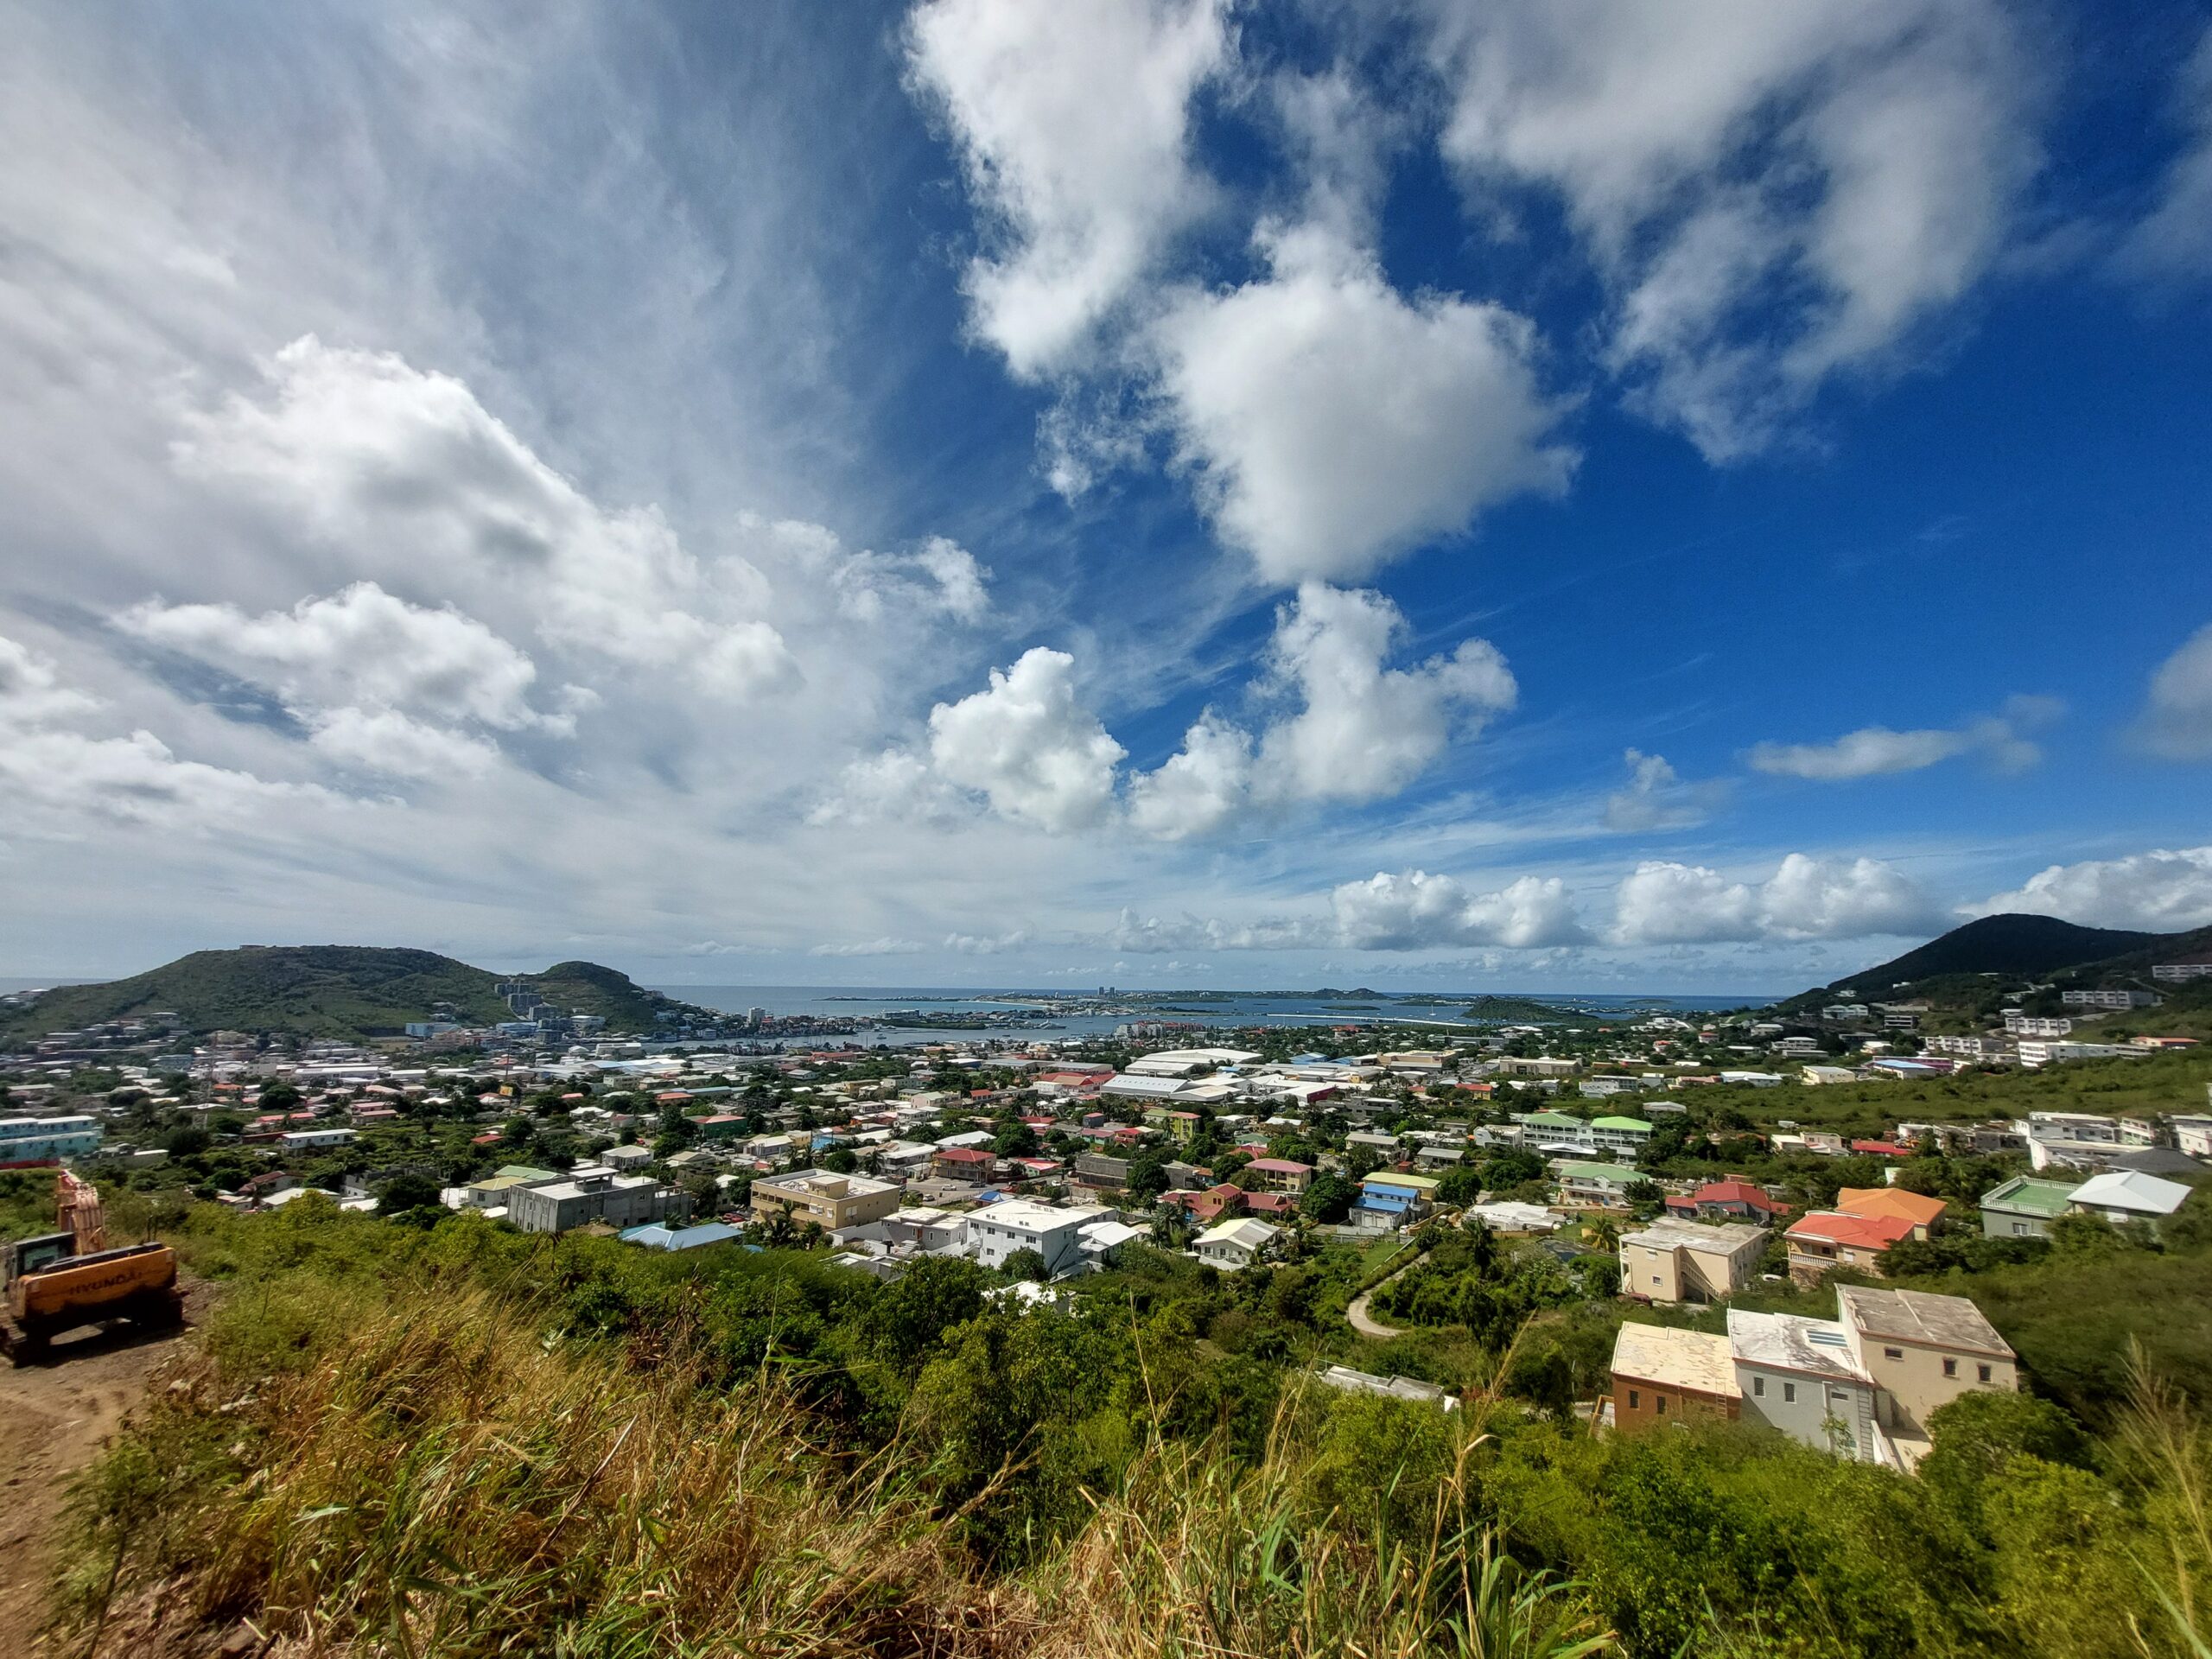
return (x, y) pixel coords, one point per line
(2016, 945)
(340, 990)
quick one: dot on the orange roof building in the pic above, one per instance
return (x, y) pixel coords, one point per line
(1892, 1203)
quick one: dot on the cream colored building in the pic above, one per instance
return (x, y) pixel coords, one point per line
(1921, 1351)
(1674, 1260)
(831, 1201)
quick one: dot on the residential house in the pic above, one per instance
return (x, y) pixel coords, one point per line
(491, 1193)
(1179, 1125)
(1279, 1175)
(629, 1157)
(1662, 1375)
(996, 1232)
(1389, 1199)
(1801, 1376)
(2118, 1000)
(1605, 1185)
(1727, 1200)
(2120, 1196)
(832, 1201)
(1881, 1202)
(2024, 1207)
(2192, 1133)
(1236, 1243)
(1208, 1204)
(965, 1163)
(1921, 1351)
(1624, 1137)
(1672, 1261)
(924, 1227)
(1825, 1239)
(2084, 1140)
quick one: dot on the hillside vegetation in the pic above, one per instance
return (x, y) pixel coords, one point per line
(422, 1436)
(338, 991)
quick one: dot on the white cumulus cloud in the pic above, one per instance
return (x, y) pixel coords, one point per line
(1071, 121)
(1333, 422)
(1415, 910)
(1361, 730)
(46, 766)
(1365, 730)
(2155, 892)
(1028, 746)
(1666, 903)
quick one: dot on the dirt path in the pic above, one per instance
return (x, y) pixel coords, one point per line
(55, 1416)
(1357, 1315)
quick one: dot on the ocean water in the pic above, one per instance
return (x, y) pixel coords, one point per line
(1208, 1007)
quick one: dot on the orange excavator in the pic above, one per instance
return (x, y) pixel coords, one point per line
(68, 1278)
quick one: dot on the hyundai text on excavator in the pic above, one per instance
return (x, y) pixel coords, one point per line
(68, 1278)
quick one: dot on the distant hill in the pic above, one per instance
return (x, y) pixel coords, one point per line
(337, 990)
(2016, 946)
(1526, 1010)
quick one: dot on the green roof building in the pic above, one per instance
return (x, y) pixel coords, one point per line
(2024, 1207)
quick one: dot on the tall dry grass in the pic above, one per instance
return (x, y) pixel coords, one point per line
(436, 1477)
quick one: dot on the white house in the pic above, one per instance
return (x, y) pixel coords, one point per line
(997, 1231)
(1799, 1376)
(1236, 1244)
(2125, 1195)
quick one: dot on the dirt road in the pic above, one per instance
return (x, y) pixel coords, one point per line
(53, 1418)
(1360, 1320)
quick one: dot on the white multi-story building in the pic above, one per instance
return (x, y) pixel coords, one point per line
(2082, 1138)
(2179, 973)
(2030, 1024)
(996, 1232)
(2118, 1000)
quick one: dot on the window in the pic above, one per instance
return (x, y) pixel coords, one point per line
(1758, 1385)
(1790, 1393)
(1631, 1399)
(1659, 1404)
(1982, 1373)
(2019, 1227)
(1654, 1278)
(1950, 1368)
(1892, 1353)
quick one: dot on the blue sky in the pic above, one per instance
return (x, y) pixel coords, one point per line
(1541, 496)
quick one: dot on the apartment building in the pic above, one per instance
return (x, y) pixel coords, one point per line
(832, 1201)
(997, 1231)
(601, 1196)
(2114, 1000)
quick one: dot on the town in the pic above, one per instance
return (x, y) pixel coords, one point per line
(1662, 1164)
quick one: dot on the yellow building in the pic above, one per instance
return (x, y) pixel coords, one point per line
(831, 1201)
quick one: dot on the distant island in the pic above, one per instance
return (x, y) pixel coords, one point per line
(1526, 1010)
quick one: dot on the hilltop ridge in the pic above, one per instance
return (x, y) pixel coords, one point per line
(337, 990)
